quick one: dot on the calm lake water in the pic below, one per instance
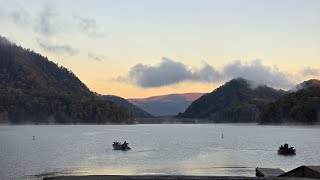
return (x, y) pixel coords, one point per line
(156, 149)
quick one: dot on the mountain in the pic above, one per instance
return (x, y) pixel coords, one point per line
(136, 111)
(166, 105)
(306, 84)
(36, 90)
(301, 107)
(239, 100)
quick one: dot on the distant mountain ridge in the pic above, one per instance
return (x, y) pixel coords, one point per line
(235, 101)
(136, 111)
(36, 90)
(165, 105)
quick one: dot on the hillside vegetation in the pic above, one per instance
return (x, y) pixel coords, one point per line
(302, 107)
(36, 90)
(236, 101)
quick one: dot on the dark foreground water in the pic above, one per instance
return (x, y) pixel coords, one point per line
(156, 149)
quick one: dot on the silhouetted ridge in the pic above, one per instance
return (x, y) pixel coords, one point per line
(238, 100)
(166, 105)
(35, 90)
(136, 111)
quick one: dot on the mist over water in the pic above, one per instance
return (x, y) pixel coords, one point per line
(156, 149)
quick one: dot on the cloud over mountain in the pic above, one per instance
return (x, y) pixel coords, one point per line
(45, 22)
(49, 25)
(257, 72)
(169, 72)
(58, 49)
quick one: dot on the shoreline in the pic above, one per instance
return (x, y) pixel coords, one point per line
(166, 177)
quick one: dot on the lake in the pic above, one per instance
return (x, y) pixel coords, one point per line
(175, 149)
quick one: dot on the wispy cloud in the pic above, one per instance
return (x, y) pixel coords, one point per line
(57, 49)
(169, 72)
(309, 71)
(96, 57)
(45, 23)
(20, 17)
(88, 26)
(49, 26)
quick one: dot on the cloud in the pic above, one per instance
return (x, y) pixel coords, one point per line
(57, 49)
(88, 26)
(257, 72)
(169, 72)
(206, 74)
(96, 57)
(48, 22)
(308, 71)
(20, 17)
(45, 22)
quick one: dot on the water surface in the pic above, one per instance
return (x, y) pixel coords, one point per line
(156, 149)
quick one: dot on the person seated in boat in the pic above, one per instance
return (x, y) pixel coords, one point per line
(115, 143)
(125, 144)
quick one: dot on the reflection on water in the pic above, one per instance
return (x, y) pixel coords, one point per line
(200, 171)
(156, 149)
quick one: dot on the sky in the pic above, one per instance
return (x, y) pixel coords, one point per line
(141, 48)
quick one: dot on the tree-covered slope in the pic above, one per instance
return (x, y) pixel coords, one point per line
(136, 111)
(236, 101)
(301, 107)
(35, 90)
(306, 84)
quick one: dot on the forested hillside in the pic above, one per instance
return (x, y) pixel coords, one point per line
(239, 100)
(36, 90)
(301, 107)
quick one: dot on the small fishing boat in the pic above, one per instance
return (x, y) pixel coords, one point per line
(286, 150)
(120, 146)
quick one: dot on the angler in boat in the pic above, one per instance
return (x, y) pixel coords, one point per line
(118, 146)
(286, 150)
